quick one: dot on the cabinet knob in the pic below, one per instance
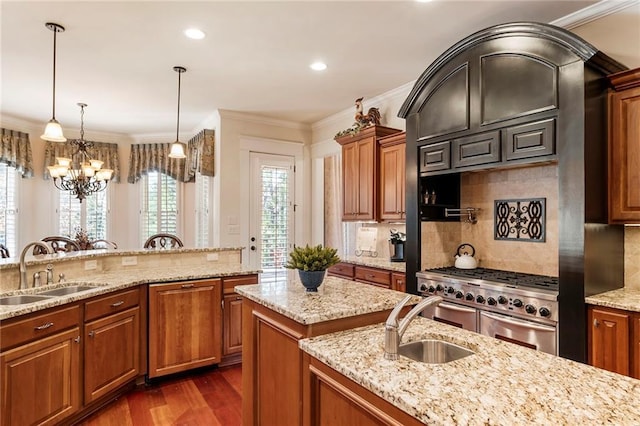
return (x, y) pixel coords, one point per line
(92, 333)
(596, 323)
(77, 339)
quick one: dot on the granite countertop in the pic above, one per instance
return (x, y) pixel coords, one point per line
(501, 384)
(107, 282)
(336, 298)
(623, 298)
(375, 262)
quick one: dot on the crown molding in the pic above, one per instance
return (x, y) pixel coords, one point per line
(259, 119)
(592, 13)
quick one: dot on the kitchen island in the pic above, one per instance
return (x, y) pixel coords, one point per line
(501, 383)
(275, 316)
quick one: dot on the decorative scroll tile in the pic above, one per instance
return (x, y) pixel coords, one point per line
(521, 220)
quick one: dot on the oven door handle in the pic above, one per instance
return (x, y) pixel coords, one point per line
(456, 308)
(518, 323)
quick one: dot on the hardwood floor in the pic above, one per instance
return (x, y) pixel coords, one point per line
(210, 397)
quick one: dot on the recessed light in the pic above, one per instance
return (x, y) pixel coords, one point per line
(423, 1)
(194, 33)
(318, 66)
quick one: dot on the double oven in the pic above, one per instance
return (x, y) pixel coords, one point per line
(511, 306)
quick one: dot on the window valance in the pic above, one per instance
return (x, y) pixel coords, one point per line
(201, 147)
(103, 151)
(15, 151)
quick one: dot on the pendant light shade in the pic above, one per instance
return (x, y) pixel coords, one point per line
(177, 148)
(53, 130)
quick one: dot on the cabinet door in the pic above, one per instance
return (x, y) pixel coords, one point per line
(184, 326)
(392, 182)
(398, 282)
(367, 179)
(111, 352)
(435, 157)
(350, 174)
(232, 320)
(41, 380)
(476, 149)
(624, 156)
(635, 347)
(609, 340)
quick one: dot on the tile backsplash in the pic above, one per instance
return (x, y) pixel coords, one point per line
(631, 257)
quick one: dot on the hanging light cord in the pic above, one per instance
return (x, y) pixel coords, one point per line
(178, 118)
(55, 34)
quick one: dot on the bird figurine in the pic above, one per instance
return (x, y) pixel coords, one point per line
(372, 117)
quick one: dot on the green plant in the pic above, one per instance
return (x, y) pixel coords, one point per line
(316, 258)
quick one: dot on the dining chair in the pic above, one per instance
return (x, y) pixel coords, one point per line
(58, 244)
(4, 252)
(99, 244)
(163, 241)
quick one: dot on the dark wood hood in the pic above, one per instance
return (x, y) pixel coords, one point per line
(473, 104)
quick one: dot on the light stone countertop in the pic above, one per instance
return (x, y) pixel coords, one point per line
(375, 262)
(107, 282)
(501, 384)
(623, 298)
(336, 298)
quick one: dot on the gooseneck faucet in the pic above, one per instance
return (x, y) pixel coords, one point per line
(393, 331)
(23, 267)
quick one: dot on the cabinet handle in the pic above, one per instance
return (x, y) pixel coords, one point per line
(77, 339)
(92, 333)
(596, 323)
(44, 326)
(400, 282)
(187, 285)
(238, 297)
(115, 305)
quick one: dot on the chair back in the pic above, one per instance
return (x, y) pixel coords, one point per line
(58, 244)
(163, 241)
(98, 244)
(4, 252)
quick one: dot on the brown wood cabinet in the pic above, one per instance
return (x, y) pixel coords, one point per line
(398, 282)
(614, 340)
(624, 147)
(360, 173)
(368, 275)
(111, 343)
(272, 367)
(330, 399)
(342, 270)
(232, 318)
(40, 367)
(392, 177)
(373, 276)
(185, 325)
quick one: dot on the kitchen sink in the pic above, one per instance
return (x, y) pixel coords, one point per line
(22, 299)
(433, 351)
(63, 291)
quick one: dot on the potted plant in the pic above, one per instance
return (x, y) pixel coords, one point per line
(311, 263)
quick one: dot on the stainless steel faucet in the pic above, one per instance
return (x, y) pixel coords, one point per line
(393, 331)
(23, 267)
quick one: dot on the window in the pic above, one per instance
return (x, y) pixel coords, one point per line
(159, 212)
(203, 197)
(8, 208)
(90, 215)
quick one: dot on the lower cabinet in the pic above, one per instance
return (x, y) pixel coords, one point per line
(367, 275)
(41, 373)
(185, 326)
(112, 341)
(614, 340)
(232, 318)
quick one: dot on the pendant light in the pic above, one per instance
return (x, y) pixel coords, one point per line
(177, 148)
(53, 131)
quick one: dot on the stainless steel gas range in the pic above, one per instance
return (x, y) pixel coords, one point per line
(511, 306)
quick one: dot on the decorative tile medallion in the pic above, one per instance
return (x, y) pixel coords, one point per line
(521, 220)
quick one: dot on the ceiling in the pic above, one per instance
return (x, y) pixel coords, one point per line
(118, 57)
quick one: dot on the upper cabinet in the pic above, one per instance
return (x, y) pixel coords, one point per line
(392, 177)
(360, 156)
(624, 147)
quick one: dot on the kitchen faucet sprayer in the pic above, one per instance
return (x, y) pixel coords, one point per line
(393, 330)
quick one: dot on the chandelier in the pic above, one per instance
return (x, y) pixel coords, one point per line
(81, 175)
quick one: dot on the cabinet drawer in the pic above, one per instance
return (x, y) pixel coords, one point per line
(530, 140)
(398, 282)
(342, 269)
(435, 157)
(228, 284)
(38, 326)
(376, 276)
(476, 149)
(111, 304)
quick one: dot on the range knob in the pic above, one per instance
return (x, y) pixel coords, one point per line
(491, 301)
(459, 295)
(518, 303)
(439, 287)
(480, 299)
(530, 309)
(502, 300)
(469, 296)
(450, 290)
(431, 289)
(545, 312)
(423, 287)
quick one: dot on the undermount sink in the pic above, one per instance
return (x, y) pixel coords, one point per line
(433, 351)
(63, 291)
(22, 299)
